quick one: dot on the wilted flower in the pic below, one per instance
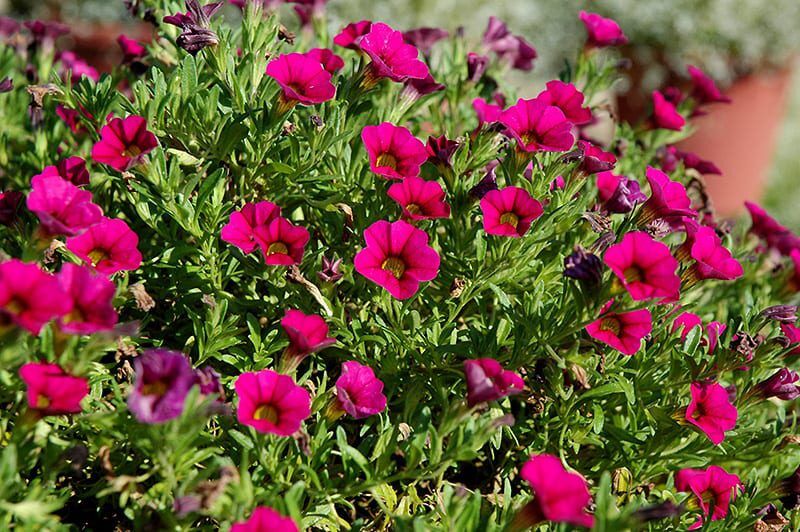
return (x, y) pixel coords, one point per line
(392, 57)
(705, 90)
(488, 381)
(6, 85)
(476, 66)
(712, 487)
(307, 334)
(416, 88)
(124, 143)
(487, 183)
(583, 266)
(394, 153)
(425, 38)
(656, 512)
(559, 495)
(10, 202)
(670, 156)
(594, 159)
(623, 331)
(30, 297)
(619, 194)
(781, 313)
(359, 392)
(645, 267)
(108, 246)
(602, 31)
(163, 380)
(509, 211)
(351, 35)
(62, 208)
(330, 61)
(783, 385)
(195, 26)
(240, 230)
(92, 297)
(512, 48)
(538, 127)
(420, 199)
(51, 390)
(271, 402)
(567, 98)
(72, 118)
(302, 79)
(265, 519)
(711, 411)
(668, 199)
(665, 115)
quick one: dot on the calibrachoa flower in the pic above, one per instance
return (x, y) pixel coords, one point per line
(92, 296)
(397, 257)
(271, 402)
(109, 247)
(645, 267)
(783, 385)
(76, 67)
(281, 242)
(711, 411)
(619, 194)
(420, 199)
(132, 50)
(359, 392)
(30, 297)
(394, 153)
(329, 60)
(560, 496)
(583, 266)
(71, 117)
(51, 390)
(687, 321)
(425, 38)
(331, 270)
(623, 331)
(509, 211)
(488, 381)
(163, 380)
(602, 31)
(705, 90)
(265, 519)
(712, 259)
(486, 112)
(567, 98)
(196, 33)
(476, 66)
(307, 334)
(72, 169)
(712, 486)
(792, 334)
(671, 156)
(10, 201)
(668, 199)
(240, 230)
(773, 233)
(62, 208)
(302, 79)
(440, 151)
(594, 159)
(351, 35)
(538, 126)
(124, 143)
(392, 57)
(665, 115)
(512, 48)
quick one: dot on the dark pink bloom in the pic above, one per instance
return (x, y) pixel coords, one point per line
(792, 334)
(397, 257)
(351, 35)
(163, 380)
(618, 193)
(308, 333)
(558, 183)
(30, 297)
(602, 31)
(773, 233)
(42, 30)
(271, 402)
(668, 199)
(240, 230)
(71, 118)
(665, 115)
(714, 330)
(282, 243)
(62, 208)
(8, 26)
(487, 113)
(77, 67)
(711, 410)
(711, 487)
(623, 331)
(359, 392)
(712, 259)
(124, 143)
(195, 26)
(476, 66)
(645, 267)
(329, 60)
(594, 159)
(72, 169)
(488, 381)
(440, 150)
(512, 48)
(509, 211)
(51, 390)
(538, 127)
(10, 202)
(425, 38)
(420, 199)
(302, 79)
(392, 57)
(686, 321)
(671, 156)
(109, 247)
(567, 98)
(132, 50)
(559, 495)
(265, 519)
(783, 385)
(394, 153)
(705, 90)
(92, 300)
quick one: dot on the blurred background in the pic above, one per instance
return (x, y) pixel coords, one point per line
(750, 46)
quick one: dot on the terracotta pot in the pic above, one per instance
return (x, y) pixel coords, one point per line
(741, 138)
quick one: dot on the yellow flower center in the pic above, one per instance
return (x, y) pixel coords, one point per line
(633, 274)
(97, 255)
(413, 208)
(394, 265)
(157, 388)
(277, 248)
(611, 324)
(266, 413)
(509, 218)
(387, 159)
(131, 151)
(42, 402)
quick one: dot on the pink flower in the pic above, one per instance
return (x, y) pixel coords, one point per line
(792, 334)
(72, 118)
(302, 79)
(488, 381)
(394, 153)
(420, 199)
(392, 57)
(668, 199)
(265, 519)
(773, 233)
(671, 156)
(307, 333)
(705, 90)
(559, 495)
(623, 331)
(512, 48)
(645, 267)
(714, 330)
(30, 297)
(271, 402)
(665, 115)
(62, 208)
(487, 113)
(124, 143)
(351, 35)
(602, 31)
(72, 169)
(711, 410)
(331, 62)
(92, 297)
(359, 392)
(282, 243)
(509, 211)
(109, 247)
(132, 50)
(712, 486)
(567, 98)
(594, 159)
(397, 257)
(76, 67)
(425, 38)
(240, 230)
(712, 259)
(686, 321)
(619, 194)
(538, 127)
(440, 151)
(52, 391)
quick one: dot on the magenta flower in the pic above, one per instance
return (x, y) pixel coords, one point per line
(601, 31)
(240, 230)
(712, 259)
(476, 66)
(567, 98)
(488, 381)
(623, 331)
(712, 486)
(424, 38)
(10, 202)
(30, 297)
(420, 199)
(705, 90)
(559, 495)
(665, 115)
(773, 233)
(76, 67)
(668, 199)
(509, 211)
(511, 48)
(71, 117)
(671, 156)
(783, 385)
(714, 330)
(51, 390)
(124, 143)
(307, 334)
(416, 88)
(72, 169)
(109, 247)
(686, 321)
(163, 380)
(92, 297)
(538, 127)
(331, 62)
(271, 402)
(792, 334)
(351, 35)
(594, 159)
(440, 151)
(302, 79)
(618, 194)
(397, 257)
(392, 57)
(265, 519)
(487, 113)
(359, 392)
(645, 267)
(394, 153)
(282, 243)
(711, 410)
(62, 208)
(132, 50)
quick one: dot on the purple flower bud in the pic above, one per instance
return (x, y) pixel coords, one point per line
(193, 39)
(512, 48)
(6, 85)
(488, 381)
(195, 24)
(330, 272)
(783, 385)
(425, 38)
(476, 66)
(583, 266)
(781, 313)
(488, 183)
(440, 150)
